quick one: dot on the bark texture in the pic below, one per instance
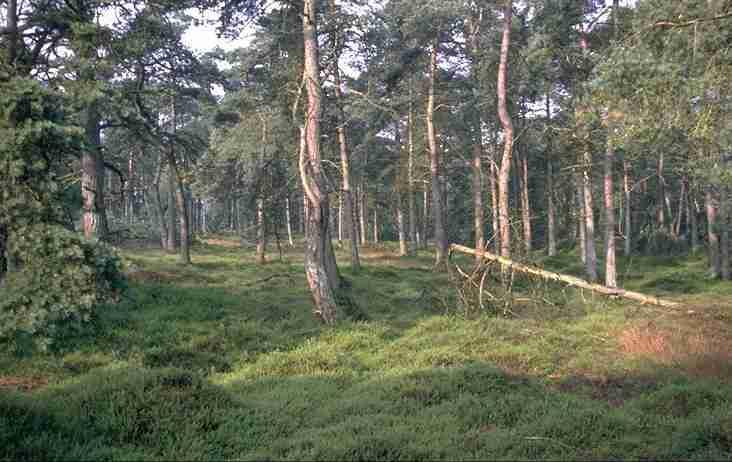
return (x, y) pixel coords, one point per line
(507, 124)
(438, 216)
(320, 268)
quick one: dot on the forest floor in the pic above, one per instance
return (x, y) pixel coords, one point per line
(223, 360)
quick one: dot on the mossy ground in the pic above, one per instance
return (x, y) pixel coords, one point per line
(215, 362)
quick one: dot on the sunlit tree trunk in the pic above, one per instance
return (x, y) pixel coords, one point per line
(724, 218)
(400, 181)
(437, 204)
(376, 225)
(712, 235)
(589, 215)
(505, 168)
(414, 237)
(609, 196)
(320, 267)
(581, 224)
(362, 213)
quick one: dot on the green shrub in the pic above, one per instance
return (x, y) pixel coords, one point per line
(60, 280)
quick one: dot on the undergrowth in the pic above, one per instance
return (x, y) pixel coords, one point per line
(218, 361)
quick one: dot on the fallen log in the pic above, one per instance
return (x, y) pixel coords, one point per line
(565, 278)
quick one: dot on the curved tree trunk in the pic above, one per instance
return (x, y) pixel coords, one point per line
(320, 268)
(505, 168)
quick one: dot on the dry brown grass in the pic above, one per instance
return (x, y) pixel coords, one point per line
(699, 348)
(22, 383)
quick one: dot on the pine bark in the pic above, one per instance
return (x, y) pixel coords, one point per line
(320, 268)
(413, 234)
(437, 204)
(609, 196)
(581, 223)
(591, 256)
(505, 168)
(92, 178)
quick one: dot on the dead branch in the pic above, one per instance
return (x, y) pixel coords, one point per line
(565, 278)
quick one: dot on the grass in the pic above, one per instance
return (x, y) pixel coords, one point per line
(215, 362)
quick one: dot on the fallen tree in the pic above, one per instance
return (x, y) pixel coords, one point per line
(565, 278)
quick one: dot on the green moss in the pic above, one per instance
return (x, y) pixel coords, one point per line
(208, 362)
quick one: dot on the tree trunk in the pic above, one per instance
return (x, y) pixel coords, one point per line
(550, 208)
(493, 184)
(591, 258)
(505, 169)
(376, 225)
(288, 217)
(693, 220)
(713, 237)
(478, 211)
(346, 207)
(400, 183)
(163, 228)
(525, 205)
(180, 201)
(413, 234)
(320, 267)
(660, 197)
(437, 204)
(628, 209)
(609, 195)
(425, 214)
(581, 224)
(724, 218)
(92, 178)
(3, 252)
(171, 244)
(362, 213)
(682, 201)
(261, 234)
(474, 24)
